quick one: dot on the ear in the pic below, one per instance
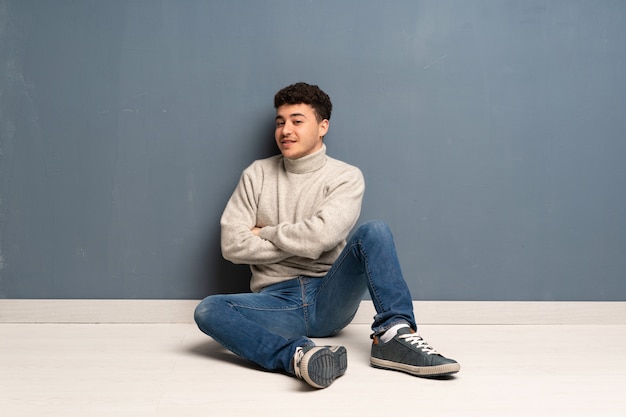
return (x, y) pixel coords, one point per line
(323, 128)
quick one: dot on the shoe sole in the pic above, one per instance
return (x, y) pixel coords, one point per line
(321, 365)
(425, 371)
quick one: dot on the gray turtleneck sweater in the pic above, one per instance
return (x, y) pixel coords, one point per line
(306, 207)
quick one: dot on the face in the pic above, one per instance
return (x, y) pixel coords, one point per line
(298, 132)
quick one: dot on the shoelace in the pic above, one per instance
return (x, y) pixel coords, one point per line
(416, 339)
(297, 358)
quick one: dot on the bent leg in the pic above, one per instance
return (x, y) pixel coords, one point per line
(370, 261)
(260, 327)
(370, 256)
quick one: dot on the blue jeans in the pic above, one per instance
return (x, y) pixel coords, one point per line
(267, 327)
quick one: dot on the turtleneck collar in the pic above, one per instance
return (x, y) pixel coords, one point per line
(307, 163)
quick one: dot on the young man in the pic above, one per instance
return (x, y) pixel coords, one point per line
(289, 218)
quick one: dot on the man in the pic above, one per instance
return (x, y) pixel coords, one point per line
(289, 218)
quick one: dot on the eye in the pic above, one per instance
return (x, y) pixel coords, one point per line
(297, 122)
(280, 123)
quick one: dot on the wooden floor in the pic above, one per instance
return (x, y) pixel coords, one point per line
(90, 370)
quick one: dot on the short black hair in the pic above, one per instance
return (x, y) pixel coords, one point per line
(308, 94)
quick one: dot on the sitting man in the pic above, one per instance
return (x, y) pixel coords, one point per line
(289, 218)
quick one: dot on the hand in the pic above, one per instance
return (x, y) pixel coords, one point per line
(256, 231)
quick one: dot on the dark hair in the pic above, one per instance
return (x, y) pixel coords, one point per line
(308, 94)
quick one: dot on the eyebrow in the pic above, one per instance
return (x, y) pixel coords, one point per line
(292, 115)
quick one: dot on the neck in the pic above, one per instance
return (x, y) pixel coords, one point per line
(308, 163)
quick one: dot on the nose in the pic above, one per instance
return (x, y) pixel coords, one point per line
(286, 129)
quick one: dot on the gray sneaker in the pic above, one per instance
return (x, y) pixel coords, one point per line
(408, 352)
(319, 366)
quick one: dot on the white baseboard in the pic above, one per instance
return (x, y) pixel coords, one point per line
(426, 312)
(510, 312)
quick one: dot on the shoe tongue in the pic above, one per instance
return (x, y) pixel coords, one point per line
(405, 330)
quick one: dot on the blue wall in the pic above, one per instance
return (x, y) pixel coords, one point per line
(491, 135)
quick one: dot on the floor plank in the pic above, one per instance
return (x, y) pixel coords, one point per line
(174, 370)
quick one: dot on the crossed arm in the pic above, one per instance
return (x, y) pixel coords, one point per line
(245, 242)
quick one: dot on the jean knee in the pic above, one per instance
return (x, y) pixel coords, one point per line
(375, 228)
(204, 311)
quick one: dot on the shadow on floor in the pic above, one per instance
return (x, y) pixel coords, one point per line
(213, 350)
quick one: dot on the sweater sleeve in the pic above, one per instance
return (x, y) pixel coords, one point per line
(239, 245)
(333, 219)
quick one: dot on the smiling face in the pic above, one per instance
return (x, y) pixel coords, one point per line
(298, 131)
